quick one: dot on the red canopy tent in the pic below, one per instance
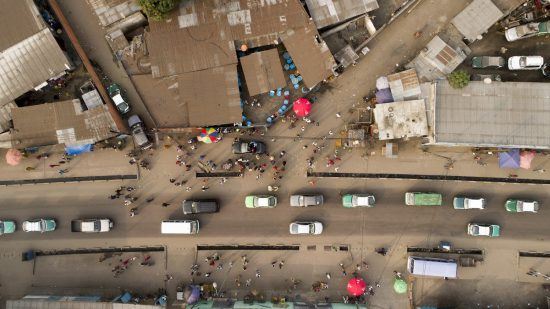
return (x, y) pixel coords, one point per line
(356, 286)
(302, 107)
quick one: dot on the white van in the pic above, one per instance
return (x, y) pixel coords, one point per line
(179, 227)
(432, 267)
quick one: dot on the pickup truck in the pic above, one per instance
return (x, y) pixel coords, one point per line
(91, 225)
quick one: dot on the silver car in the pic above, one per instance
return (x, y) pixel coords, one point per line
(306, 228)
(305, 200)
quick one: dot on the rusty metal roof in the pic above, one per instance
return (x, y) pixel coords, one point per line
(263, 71)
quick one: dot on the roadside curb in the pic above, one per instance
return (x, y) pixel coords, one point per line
(431, 177)
(66, 179)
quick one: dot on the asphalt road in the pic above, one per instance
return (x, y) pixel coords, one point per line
(236, 224)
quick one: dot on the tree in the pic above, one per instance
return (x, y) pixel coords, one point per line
(158, 9)
(458, 79)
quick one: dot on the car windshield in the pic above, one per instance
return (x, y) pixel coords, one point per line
(312, 228)
(118, 99)
(363, 200)
(528, 206)
(1, 227)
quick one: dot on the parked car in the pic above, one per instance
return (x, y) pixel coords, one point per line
(358, 200)
(241, 146)
(527, 30)
(91, 225)
(481, 62)
(7, 227)
(200, 206)
(305, 200)
(138, 132)
(525, 62)
(306, 228)
(515, 205)
(39, 225)
(260, 201)
(489, 230)
(118, 98)
(460, 202)
(423, 199)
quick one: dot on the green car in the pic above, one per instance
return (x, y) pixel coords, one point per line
(489, 230)
(7, 227)
(260, 201)
(514, 205)
(358, 200)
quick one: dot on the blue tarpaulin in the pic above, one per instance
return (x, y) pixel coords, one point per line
(76, 150)
(509, 159)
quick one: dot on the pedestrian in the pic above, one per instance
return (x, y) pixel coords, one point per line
(282, 153)
(63, 171)
(248, 282)
(133, 211)
(330, 132)
(377, 284)
(30, 168)
(328, 276)
(273, 264)
(281, 264)
(258, 273)
(149, 200)
(168, 278)
(238, 281)
(204, 188)
(207, 274)
(172, 180)
(338, 115)
(165, 204)
(188, 189)
(54, 165)
(201, 157)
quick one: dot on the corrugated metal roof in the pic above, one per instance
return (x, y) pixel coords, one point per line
(329, 12)
(111, 11)
(436, 60)
(263, 71)
(510, 114)
(19, 20)
(477, 18)
(310, 53)
(404, 85)
(61, 122)
(29, 63)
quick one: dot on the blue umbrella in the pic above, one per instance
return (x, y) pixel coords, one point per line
(509, 159)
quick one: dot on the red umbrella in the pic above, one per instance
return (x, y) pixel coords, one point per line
(356, 286)
(14, 157)
(302, 107)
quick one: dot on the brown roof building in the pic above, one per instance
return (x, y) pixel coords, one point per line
(197, 43)
(30, 53)
(263, 71)
(330, 12)
(311, 55)
(61, 122)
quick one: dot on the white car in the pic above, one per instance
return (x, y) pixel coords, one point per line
(525, 62)
(306, 228)
(39, 225)
(460, 202)
(527, 30)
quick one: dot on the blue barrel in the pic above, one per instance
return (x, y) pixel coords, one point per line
(286, 93)
(285, 102)
(286, 55)
(291, 66)
(287, 67)
(296, 86)
(271, 93)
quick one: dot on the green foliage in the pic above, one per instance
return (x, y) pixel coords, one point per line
(458, 79)
(158, 9)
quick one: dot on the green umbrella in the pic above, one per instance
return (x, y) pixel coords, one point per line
(400, 286)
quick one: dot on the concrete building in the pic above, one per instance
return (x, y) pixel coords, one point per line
(30, 54)
(331, 12)
(476, 19)
(511, 114)
(403, 119)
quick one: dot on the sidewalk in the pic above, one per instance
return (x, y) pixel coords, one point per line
(99, 164)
